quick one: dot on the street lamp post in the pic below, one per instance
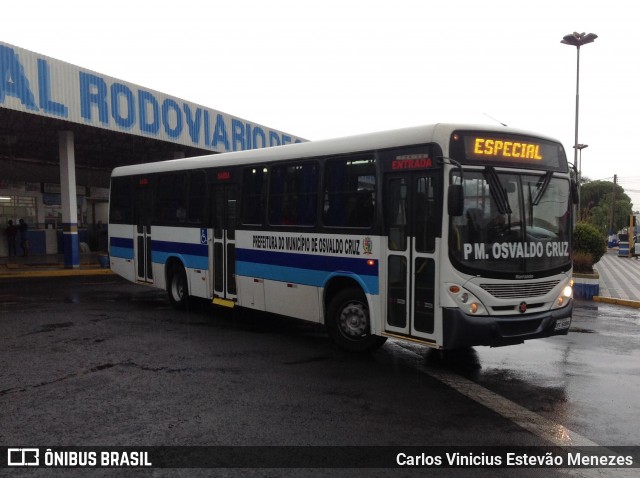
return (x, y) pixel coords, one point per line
(577, 39)
(580, 147)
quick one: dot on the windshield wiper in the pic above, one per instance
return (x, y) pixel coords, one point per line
(497, 191)
(542, 188)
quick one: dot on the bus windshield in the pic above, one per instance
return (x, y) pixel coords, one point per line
(515, 224)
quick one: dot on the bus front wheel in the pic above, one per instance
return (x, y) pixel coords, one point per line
(178, 288)
(348, 322)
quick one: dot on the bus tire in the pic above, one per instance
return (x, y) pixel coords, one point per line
(178, 287)
(348, 322)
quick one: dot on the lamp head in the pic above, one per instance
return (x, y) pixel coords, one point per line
(578, 39)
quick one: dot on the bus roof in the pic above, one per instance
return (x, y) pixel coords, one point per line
(440, 133)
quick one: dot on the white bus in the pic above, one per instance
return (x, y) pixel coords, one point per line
(449, 235)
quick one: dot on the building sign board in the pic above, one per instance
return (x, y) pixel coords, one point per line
(41, 85)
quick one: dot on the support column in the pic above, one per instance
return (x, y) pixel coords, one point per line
(70, 244)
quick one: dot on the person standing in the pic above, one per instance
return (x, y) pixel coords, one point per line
(11, 232)
(24, 241)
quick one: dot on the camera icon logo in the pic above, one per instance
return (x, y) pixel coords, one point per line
(23, 457)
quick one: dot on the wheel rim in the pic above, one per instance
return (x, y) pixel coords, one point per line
(354, 320)
(177, 288)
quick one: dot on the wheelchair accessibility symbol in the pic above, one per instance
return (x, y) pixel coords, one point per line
(203, 236)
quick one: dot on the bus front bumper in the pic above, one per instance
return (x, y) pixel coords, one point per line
(463, 330)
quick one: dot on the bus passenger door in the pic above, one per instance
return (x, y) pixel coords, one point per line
(224, 244)
(143, 204)
(412, 217)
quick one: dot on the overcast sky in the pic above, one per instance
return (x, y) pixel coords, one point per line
(321, 69)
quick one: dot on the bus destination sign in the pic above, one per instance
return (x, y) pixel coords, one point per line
(506, 149)
(497, 148)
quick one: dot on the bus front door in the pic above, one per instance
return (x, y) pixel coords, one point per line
(142, 233)
(413, 225)
(224, 245)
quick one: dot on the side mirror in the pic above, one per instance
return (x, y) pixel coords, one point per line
(455, 200)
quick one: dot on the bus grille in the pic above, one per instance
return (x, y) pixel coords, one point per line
(520, 291)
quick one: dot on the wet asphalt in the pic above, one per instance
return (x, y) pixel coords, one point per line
(99, 361)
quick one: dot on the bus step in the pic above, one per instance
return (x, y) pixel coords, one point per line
(224, 302)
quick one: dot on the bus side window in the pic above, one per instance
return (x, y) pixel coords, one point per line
(361, 214)
(121, 204)
(171, 198)
(293, 194)
(197, 197)
(396, 212)
(349, 193)
(254, 180)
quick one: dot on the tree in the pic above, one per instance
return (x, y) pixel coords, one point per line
(595, 205)
(589, 245)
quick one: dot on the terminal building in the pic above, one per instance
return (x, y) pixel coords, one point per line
(63, 129)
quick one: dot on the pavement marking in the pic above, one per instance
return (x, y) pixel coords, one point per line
(546, 429)
(619, 277)
(554, 432)
(549, 430)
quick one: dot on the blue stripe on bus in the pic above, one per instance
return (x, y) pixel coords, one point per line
(304, 269)
(124, 242)
(194, 256)
(182, 248)
(121, 247)
(189, 261)
(121, 252)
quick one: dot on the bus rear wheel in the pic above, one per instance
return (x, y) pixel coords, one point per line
(348, 322)
(178, 288)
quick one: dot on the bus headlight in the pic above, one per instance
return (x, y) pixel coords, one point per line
(563, 298)
(466, 301)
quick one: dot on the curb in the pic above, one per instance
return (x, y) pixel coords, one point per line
(612, 300)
